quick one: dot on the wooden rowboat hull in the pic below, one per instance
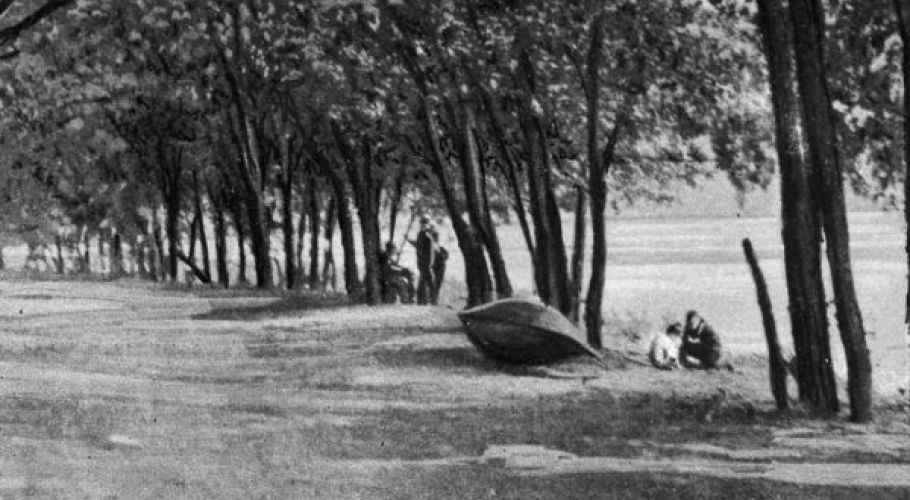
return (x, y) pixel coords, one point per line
(523, 331)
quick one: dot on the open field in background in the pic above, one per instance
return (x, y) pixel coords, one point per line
(130, 390)
(658, 268)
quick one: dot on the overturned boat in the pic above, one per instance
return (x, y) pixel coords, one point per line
(523, 331)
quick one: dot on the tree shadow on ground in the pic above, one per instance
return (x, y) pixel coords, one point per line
(482, 481)
(236, 310)
(469, 358)
(590, 423)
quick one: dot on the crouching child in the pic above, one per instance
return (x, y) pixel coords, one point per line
(664, 352)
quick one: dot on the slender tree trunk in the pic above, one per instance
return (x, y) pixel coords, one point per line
(102, 233)
(200, 220)
(359, 168)
(137, 250)
(596, 184)
(2, 261)
(116, 255)
(552, 274)
(240, 231)
(777, 367)
(314, 237)
(287, 230)
(172, 232)
(219, 224)
(395, 204)
(474, 183)
(301, 237)
(808, 37)
(59, 263)
(578, 251)
(477, 274)
(87, 255)
(902, 8)
(260, 242)
(487, 232)
(159, 246)
(510, 168)
(152, 256)
(352, 282)
(328, 260)
(801, 230)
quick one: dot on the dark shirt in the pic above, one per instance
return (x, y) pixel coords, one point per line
(425, 249)
(704, 335)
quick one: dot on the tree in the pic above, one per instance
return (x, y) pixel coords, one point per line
(808, 36)
(902, 10)
(801, 226)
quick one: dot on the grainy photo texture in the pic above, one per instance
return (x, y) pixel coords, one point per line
(454, 249)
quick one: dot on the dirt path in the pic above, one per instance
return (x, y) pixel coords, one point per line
(538, 461)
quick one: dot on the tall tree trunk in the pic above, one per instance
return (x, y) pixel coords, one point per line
(159, 246)
(510, 167)
(474, 184)
(200, 220)
(395, 204)
(301, 237)
(60, 264)
(314, 237)
(172, 232)
(902, 9)
(116, 255)
(552, 274)
(808, 37)
(2, 261)
(287, 230)
(328, 260)
(596, 184)
(102, 233)
(240, 231)
(219, 225)
(477, 274)
(578, 251)
(87, 255)
(260, 241)
(352, 282)
(801, 230)
(359, 169)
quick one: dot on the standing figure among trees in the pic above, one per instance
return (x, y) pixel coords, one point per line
(439, 268)
(426, 257)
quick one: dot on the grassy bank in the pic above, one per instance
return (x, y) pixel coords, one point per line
(144, 392)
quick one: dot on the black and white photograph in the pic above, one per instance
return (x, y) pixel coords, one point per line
(454, 249)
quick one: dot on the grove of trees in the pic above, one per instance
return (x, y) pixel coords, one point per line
(143, 125)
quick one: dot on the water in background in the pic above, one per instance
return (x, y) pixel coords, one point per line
(660, 268)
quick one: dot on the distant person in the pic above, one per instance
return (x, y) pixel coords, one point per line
(701, 346)
(425, 245)
(395, 281)
(664, 352)
(439, 270)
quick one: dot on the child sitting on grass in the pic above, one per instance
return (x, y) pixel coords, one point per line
(664, 352)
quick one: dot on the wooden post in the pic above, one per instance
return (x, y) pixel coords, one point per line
(777, 367)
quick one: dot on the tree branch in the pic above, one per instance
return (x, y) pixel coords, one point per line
(11, 33)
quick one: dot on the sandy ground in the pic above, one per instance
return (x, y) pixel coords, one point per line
(124, 390)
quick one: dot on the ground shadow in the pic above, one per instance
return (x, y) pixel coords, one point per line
(595, 422)
(236, 310)
(468, 357)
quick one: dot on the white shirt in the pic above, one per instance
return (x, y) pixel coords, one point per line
(664, 351)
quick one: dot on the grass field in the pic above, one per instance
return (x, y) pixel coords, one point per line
(124, 390)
